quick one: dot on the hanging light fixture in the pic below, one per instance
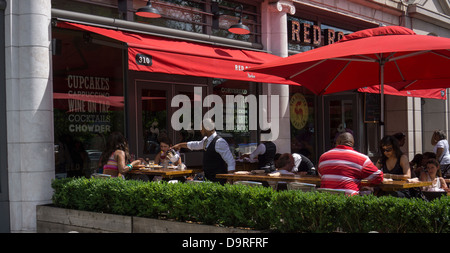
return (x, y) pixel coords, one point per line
(239, 28)
(148, 11)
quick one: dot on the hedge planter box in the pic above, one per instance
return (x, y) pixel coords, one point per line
(52, 219)
(121, 202)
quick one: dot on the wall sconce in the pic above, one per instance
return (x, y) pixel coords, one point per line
(238, 28)
(148, 11)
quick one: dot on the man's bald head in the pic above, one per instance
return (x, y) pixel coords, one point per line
(345, 139)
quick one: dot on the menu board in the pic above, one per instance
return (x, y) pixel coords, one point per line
(372, 108)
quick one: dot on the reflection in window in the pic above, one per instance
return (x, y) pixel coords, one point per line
(198, 17)
(154, 118)
(88, 101)
(240, 136)
(302, 118)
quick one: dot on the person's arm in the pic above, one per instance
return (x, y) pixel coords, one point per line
(371, 173)
(121, 162)
(158, 158)
(443, 184)
(297, 161)
(261, 149)
(404, 163)
(179, 146)
(439, 153)
(224, 151)
(192, 145)
(378, 164)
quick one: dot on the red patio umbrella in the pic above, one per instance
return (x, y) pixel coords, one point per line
(384, 55)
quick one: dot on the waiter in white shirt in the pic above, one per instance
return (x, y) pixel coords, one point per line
(217, 158)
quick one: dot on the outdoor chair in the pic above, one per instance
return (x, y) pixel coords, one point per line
(332, 191)
(249, 183)
(301, 186)
(433, 195)
(99, 175)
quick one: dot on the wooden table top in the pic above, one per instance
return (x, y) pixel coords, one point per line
(161, 172)
(264, 177)
(388, 186)
(399, 184)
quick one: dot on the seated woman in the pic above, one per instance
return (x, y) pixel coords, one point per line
(432, 173)
(116, 159)
(393, 162)
(165, 143)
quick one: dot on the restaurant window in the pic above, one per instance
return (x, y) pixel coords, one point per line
(104, 8)
(192, 16)
(241, 138)
(154, 118)
(302, 117)
(198, 17)
(87, 97)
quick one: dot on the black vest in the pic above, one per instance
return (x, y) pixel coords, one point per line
(213, 163)
(306, 165)
(266, 159)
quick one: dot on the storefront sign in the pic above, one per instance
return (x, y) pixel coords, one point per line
(298, 107)
(88, 101)
(309, 34)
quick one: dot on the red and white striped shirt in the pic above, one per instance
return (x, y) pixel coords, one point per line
(344, 168)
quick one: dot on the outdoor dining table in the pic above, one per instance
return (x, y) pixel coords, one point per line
(232, 177)
(394, 185)
(167, 173)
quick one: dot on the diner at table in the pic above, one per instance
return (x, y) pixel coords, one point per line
(344, 168)
(115, 159)
(432, 173)
(395, 165)
(166, 155)
(335, 167)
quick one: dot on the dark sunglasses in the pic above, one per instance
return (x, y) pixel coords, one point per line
(386, 149)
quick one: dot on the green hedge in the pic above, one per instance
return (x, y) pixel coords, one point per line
(254, 207)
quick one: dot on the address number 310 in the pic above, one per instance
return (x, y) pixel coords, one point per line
(143, 59)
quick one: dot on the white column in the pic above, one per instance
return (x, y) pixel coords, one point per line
(275, 40)
(29, 110)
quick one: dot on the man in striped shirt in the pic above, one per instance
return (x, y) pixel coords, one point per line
(344, 168)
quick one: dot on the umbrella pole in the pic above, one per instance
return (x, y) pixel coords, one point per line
(381, 99)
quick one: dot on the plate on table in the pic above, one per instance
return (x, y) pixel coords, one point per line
(242, 172)
(258, 171)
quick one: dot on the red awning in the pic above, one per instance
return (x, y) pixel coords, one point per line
(157, 54)
(389, 90)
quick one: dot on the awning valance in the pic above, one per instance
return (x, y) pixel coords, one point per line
(389, 90)
(171, 56)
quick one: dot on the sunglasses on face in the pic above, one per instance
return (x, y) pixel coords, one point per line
(387, 149)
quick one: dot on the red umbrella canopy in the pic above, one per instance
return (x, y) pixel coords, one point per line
(392, 55)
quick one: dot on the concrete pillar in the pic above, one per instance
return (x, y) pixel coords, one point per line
(29, 110)
(275, 40)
